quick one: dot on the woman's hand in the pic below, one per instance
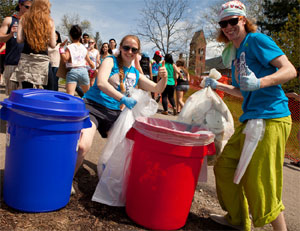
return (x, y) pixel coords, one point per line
(162, 71)
(63, 43)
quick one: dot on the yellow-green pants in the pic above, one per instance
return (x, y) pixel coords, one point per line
(261, 185)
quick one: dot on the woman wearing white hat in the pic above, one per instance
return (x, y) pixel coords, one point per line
(259, 67)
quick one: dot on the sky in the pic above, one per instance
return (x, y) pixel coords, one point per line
(117, 18)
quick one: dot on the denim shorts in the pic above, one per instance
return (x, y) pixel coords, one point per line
(182, 87)
(78, 75)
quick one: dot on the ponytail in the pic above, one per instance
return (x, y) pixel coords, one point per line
(121, 72)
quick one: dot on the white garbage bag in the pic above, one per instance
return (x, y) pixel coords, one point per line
(254, 130)
(207, 109)
(112, 163)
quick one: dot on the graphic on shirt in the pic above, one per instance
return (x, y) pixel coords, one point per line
(240, 66)
(130, 81)
(155, 68)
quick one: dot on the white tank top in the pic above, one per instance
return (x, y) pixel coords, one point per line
(78, 53)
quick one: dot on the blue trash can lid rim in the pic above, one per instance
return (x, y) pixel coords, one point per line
(46, 102)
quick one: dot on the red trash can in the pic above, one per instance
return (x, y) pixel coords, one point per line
(165, 165)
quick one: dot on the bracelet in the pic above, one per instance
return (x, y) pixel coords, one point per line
(62, 50)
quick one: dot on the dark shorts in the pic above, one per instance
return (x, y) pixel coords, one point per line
(101, 116)
(154, 78)
(182, 88)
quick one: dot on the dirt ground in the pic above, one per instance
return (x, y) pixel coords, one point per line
(83, 214)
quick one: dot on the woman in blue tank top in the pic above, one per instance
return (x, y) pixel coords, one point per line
(111, 89)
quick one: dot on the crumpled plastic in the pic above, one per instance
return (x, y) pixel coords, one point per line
(207, 109)
(113, 161)
(254, 130)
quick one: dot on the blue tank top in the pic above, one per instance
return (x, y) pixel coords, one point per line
(130, 81)
(13, 49)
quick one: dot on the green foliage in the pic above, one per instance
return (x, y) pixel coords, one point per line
(7, 8)
(282, 23)
(276, 14)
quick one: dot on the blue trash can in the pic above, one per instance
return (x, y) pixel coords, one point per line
(43, 129)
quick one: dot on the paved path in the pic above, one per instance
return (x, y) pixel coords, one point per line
(291, 190)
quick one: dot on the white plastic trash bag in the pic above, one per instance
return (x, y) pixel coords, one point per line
(112, 163)
(254, 130)
(207, 109)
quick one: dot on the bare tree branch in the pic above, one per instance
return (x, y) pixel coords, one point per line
(159, 23)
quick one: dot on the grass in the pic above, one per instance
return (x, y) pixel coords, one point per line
(235, 106)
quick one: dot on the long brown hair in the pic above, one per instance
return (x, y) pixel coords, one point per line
(36, 25)
(120, 60)
(250, 26)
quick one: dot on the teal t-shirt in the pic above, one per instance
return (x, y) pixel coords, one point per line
(257, 51)
(170, 70)
(130, 80)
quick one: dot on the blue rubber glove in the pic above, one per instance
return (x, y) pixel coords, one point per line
(129, 102)
(211, 82)
(249, 82)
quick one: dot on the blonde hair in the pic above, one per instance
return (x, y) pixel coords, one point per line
(120, 60)
(250, 27)
(36, 25)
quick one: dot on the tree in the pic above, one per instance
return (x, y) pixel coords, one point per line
(7, 8)
(276, 14)
(282, 23)
(159, 21)
(98, 40)
(68, 20)
(288, 39)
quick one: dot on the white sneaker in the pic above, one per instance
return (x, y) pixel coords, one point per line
(220, 219)
(73, 192)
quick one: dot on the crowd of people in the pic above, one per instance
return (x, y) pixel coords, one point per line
(104, 78)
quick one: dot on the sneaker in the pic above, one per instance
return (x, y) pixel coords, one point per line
(165, 113)
(220, 219)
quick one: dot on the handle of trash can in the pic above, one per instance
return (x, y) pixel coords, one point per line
(130, 134)
(6, 104)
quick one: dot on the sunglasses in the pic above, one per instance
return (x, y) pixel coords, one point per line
(27, 7)
(232, 22)
(133, 49)
(91, 42)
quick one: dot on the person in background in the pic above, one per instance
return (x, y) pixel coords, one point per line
(115, 78)
(168, 93)
(54, 60)
(154, 64)
(76, 56)
(2, 57)
(85, 40)
(104, 52)
(13, 51)
(95, 58)
(37, 31)
(145, 65)
(182, 84)
(259, 67)
(113, 46)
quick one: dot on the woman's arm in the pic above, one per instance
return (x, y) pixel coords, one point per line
(232, 90)
(64, 54)
(89, 61)
(52, 42)
(20, 33)
(286, 71)
(102, 79)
